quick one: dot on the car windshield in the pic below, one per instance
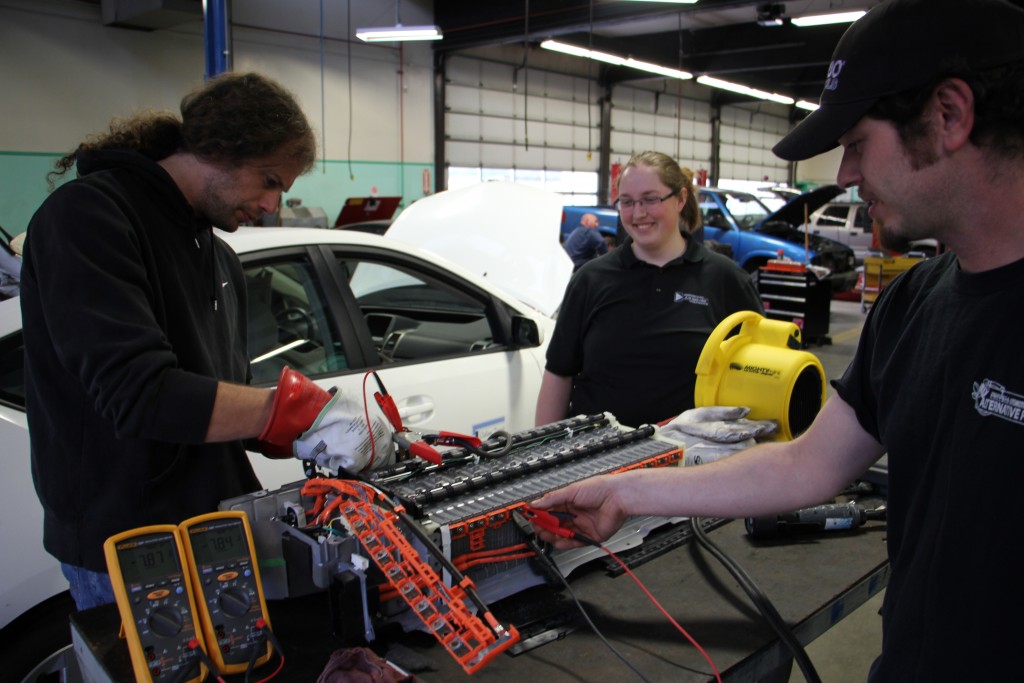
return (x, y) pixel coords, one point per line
(746, 209)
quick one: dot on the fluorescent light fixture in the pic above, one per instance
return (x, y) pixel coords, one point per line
(388, 34)
(821, 19)
(809, 106)
(656, 69)
(744, 90)
(614, 60)
(576, 51)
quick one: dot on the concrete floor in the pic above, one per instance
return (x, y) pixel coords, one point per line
(844, 654)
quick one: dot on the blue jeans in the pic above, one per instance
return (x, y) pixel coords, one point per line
(88, 588)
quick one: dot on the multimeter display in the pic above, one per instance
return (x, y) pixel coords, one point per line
(227, 587)
(219, 543)
(148, 559)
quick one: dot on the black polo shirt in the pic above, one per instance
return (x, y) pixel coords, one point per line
(630, 333)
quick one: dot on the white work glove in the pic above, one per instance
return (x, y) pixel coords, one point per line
(340, 438)
(712, 432)
(723, 424)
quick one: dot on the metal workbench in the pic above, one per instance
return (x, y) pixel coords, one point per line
(813, 580)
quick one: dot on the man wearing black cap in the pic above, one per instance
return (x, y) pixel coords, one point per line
(925, 97)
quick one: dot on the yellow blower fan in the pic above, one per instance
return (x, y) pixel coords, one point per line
(762, 367)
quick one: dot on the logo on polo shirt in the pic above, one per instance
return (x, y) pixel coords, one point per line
(834, 69)
(992, 399)
(691, 298)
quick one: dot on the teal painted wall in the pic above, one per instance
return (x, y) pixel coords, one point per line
(23, 185)
(329, 184)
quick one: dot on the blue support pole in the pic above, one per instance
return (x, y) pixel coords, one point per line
(217, 29)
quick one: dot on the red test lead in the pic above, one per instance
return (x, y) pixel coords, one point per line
(551, 521)
(414, 443)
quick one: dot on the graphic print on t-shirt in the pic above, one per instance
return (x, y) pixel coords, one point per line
(992, 398)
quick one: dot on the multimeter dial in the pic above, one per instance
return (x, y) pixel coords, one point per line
(165, 621)
(234, 602)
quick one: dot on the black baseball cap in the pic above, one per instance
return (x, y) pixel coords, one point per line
(900, 45)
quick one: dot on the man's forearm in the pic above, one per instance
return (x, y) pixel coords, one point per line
(553, 400)
(239, 412)
(755, 482)
(769, 478)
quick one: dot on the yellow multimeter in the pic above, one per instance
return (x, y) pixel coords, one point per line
(154, 596)
(226, 581)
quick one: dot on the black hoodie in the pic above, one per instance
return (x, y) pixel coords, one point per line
(132, 310)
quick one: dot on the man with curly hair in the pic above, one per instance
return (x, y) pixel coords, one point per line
(134, 313)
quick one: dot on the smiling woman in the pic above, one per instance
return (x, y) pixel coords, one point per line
(650, 203)
(633, 322)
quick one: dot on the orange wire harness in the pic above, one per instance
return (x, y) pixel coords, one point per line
(473, 640)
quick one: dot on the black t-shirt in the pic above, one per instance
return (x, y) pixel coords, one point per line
(630, 333)
(938, 379)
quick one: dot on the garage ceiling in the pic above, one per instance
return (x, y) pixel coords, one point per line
(719, 38)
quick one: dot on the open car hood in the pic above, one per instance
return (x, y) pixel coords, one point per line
(501, 231)
(792, 212)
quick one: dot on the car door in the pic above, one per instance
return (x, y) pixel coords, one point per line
(29, 576)
(718, 224)
(832, 222)
(440, 345)
(444, 347)
(861, 235)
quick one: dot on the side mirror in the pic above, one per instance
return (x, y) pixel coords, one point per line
(525, 333)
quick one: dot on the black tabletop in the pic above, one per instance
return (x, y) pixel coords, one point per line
(813, 581)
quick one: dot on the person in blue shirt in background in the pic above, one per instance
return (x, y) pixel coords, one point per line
(585, 242)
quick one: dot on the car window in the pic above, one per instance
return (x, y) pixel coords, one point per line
(412, 316)
(861, 219)
(833, 216)
(745, 209)
(288, 321)
(713, 216)
(12, 371)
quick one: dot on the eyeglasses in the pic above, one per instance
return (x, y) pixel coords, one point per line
(650, 202)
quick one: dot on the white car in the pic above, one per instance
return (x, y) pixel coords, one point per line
(456, 350)
(849, 223)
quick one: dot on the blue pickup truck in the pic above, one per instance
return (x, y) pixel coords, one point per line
(751, 233)
(755, 233)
